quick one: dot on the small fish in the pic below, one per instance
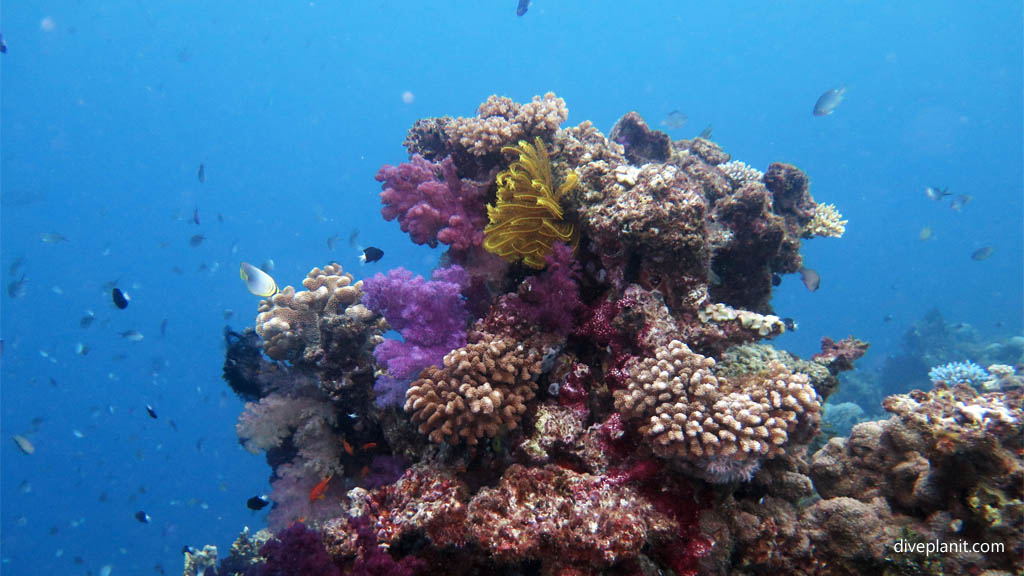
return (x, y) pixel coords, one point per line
(268, 266)
(228, 313)
(705, 133)
(53, 238)
(202, 173)
(348, 447)
(3, 45)
(257, 281)
(936, 193)
(257, 503)
(368, 446)
(106, 570)
(982, 253)
(674, 120)
(17, 265)
(811, 279)
(18, 288)
(142, 517)
(163, 328)
(132, 335)
(120, 298)
(791, 325)
(196, 240)
(220, 218)
(172, 425)
(371, 254)
(24, 444)
(353, 238)
(332, 241)
(318, 491)
(925, 233)
(151, 412)
(776, 279)
(195, 215)
(523, 6)
(828, 101)
(887, 318)
(81, 349)
(960, 201)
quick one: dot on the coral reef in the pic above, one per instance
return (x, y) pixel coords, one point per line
(596, 396)
(955, 373)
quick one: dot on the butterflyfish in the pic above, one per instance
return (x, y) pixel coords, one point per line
(257, 281)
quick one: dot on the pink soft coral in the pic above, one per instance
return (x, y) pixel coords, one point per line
(433, 204)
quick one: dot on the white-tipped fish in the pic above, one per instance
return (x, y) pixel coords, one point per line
(257, 281)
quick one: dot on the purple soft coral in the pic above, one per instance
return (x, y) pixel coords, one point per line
(296, 551)
(432, 209)
(430, 316)
(552, 297)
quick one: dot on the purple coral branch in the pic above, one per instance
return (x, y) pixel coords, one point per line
(430, 316)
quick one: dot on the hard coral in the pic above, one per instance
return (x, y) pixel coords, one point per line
(721, 427)
(292, 324)
(482, 388)
(528, 219)
(501, 121)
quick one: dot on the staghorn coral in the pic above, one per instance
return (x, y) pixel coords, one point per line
(527, 218)
(500, 121)
(826, 222)
(482, 389)
(955, 373)
(723, 428)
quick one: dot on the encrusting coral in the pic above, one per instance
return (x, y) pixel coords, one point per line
(482, 389)
(527, 218)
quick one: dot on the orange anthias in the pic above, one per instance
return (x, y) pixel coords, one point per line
(318, 491)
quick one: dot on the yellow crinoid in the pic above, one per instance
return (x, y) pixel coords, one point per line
(527, 219)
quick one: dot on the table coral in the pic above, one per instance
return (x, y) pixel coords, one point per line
(482, 388)
(721, 427)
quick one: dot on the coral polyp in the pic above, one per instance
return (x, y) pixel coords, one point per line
(528, 219)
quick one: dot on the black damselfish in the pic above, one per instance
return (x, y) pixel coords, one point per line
(371, 254)
(257, 503)
(120, 299)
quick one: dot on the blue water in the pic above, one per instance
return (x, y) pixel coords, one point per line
(108, 108)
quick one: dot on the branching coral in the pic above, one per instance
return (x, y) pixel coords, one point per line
(721, 427)
(528, 219)
(482, 389)
(501, 121)
(291, 323)
(826, 222)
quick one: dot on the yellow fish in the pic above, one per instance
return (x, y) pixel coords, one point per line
(257, 281)
(925, 233)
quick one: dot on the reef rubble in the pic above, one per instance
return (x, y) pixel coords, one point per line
(606, 405)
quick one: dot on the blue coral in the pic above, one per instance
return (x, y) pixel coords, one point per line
(959, 373)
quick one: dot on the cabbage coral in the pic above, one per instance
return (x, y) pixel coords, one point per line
(527, 219)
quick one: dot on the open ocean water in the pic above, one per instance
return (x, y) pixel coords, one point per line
(108, 110)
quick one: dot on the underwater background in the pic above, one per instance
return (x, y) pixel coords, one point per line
(108, 109)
